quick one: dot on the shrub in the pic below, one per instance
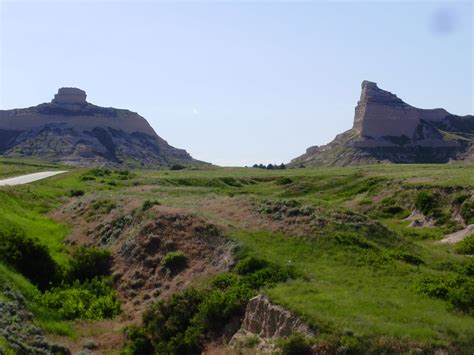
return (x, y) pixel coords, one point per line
(219, 307)
(459, 291)
(426, 202)
(175, 261)
(249, 265)
(87, 263)
(29, 257)
(93, 299)
(100, 172)
(124, 174)
(76, 193)
(269, 276)
(296, 344)
(138, 342)
(177, 167)
(468, 268)
(147, 204)
(462, 297)
(180, 324)
(466, 246)
(103, 206)
(467, 211)
(225, 280)
(168, 318)
(436, 287)
(405, 256)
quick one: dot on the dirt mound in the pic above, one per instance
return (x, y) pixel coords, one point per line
(140, 270)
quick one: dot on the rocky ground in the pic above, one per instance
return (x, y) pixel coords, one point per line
(18, 329)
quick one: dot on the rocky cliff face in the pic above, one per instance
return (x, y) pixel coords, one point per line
(69, 129)
(388, 129)
(265, 322)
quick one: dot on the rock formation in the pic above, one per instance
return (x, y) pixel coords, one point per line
(267, 320)
(71, 130)
(388, 129)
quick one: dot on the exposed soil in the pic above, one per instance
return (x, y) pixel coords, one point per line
(458, 236)
(418, 219)
(138, 272)
(96, 337)
(242, 213)
(139, 240)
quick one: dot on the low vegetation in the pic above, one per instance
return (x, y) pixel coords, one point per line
(331, 245)
(182, 324)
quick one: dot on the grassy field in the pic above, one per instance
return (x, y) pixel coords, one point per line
(342, 229)
(14, 167)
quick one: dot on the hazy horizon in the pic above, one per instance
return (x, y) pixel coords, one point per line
(239, 83)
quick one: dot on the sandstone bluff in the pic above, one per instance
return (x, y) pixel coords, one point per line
(71, 130)
(386, 129)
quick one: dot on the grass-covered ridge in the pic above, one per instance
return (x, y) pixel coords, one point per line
(360, 273)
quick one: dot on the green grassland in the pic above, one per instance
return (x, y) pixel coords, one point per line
(14, 167)
(360, 269)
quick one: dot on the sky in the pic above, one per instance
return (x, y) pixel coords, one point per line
(238, 82)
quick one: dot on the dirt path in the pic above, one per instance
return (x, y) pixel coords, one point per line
(26, 179)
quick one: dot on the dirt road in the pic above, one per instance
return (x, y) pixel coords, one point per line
(26, 179)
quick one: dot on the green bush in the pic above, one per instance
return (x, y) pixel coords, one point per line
(93, 299)
(466, 246)
(405, 256)
(467, 211)
(459, 291)
(166, 320)
(249, 265)
(138, 342)
(225, 280)
(426, 202)
(296, 344)
(124, 174)
(87, 263)
(436, 287)
(468, 268)
(175, 261)
(220, 306)
(100, 172)
(29, 257)
(269, 276)
(180, 324)
(177, 167)
(103, 206)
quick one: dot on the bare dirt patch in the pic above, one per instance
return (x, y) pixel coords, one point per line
(139, 272)
(458, 236)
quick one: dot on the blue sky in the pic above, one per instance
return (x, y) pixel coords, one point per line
(236, 83)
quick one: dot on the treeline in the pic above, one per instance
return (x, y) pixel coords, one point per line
(270, 166)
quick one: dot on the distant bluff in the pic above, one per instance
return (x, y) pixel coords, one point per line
(71, 130)
(386, 129)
